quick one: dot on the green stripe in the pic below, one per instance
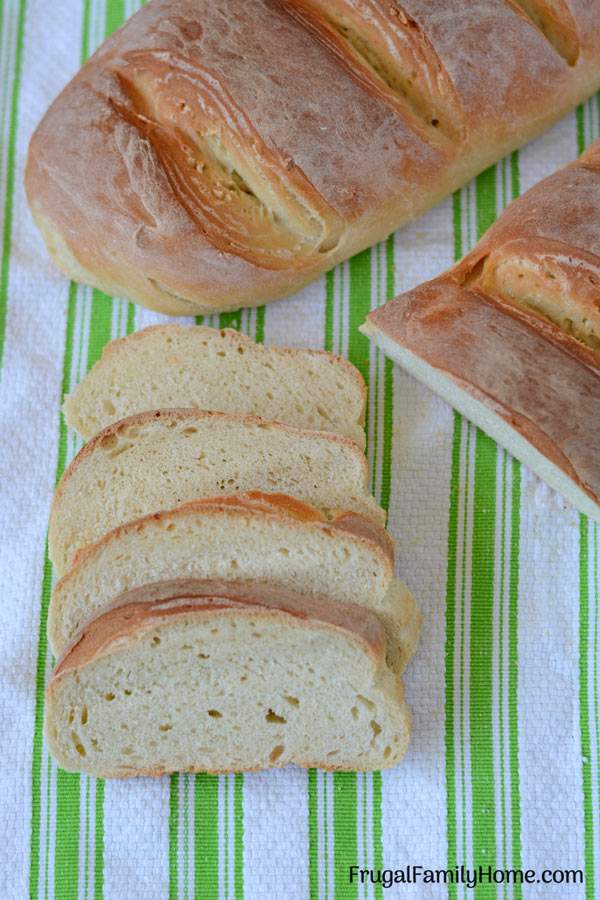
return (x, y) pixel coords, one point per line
(100, 326)
(10, 174)
(67, 835)
(206, 843)
(345, 851)
(481, 658)
(173, 831)
(115, 15)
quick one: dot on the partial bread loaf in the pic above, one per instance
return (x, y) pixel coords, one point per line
(156, 460)
(225, 371)
(197, 683)
(216, 155)
(510, 335)
(243, 538)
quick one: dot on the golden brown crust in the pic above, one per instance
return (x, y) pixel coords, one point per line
(541, 382)
(226, 166)
(279, 506)
(150, 605)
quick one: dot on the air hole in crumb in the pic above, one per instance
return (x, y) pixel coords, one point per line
(127, 751)
(109, 696)
(127, 692)
(273, 717)
(77, 744)
(276, 752)
(293, 701)
(234, 564)
(215, 714)
(203, 656)
(333, 753)
(284, 551)
(190, 430)
(84, 715)
(376, 727)
(365, 701)
(155, 641)
(164, 727)
(354, 712)
(387, 752)
(71, 716)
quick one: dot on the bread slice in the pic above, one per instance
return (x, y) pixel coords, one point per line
(161, 458)
(196, 683)
(173, 366)
(241, 538)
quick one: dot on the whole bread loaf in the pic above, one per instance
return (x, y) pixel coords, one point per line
(510, 335)
(197, 367)
(221, 153)
(244, 538)
(184, 681)
(159, 459)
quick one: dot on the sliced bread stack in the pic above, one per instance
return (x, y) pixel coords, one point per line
(227, 598)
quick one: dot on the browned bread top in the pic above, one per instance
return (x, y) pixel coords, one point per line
(227, 152)
(144, 607)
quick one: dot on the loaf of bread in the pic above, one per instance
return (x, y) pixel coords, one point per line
(225, 371)
(183, 681)
(510, 335)
(212, 155)
(253, 537)
(158, 459)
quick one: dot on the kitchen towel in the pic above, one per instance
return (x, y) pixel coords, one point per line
(502, 771)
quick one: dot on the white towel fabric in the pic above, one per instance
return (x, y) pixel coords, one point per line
(503, 766)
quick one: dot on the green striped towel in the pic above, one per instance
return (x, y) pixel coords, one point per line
(503, 770)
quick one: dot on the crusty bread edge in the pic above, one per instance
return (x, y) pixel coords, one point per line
(191, 508)
(489, 421)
